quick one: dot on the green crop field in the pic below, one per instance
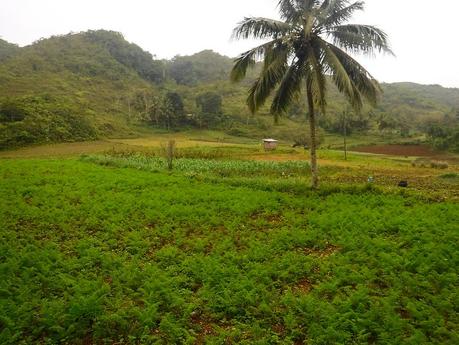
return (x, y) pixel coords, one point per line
(117, 250)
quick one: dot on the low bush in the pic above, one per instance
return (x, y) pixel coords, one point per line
(427, 163)
(439, 165)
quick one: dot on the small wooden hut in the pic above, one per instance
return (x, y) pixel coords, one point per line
(270, 144)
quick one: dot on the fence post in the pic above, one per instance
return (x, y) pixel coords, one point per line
(170, 153)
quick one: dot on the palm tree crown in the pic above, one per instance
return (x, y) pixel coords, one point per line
(311, 42)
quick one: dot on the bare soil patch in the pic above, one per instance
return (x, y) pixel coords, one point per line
(304, 286)
(321, 253)
(205, 328)
(400, 150)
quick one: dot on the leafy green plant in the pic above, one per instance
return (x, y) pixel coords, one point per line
(99, 254)
(222, 168)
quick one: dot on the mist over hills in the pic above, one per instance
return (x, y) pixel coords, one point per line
(94, 84)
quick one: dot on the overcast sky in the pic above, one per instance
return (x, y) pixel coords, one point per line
(424, 33)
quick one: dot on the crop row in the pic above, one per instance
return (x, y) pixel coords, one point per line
(199, 166)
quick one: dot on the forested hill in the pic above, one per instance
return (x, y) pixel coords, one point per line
(95, 84)
(73, 87)
(7, 50)
(410, 93)
(206, 66)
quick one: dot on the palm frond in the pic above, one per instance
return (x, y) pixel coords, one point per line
(324, 5)
(260, 28)
(357, 38)
(289, 88)
(274, 67)
(339, 74)
(362, 80)
(307, 5)
(316, 78)
(289, 11)
(338, 12)
(300, 52)
(248, 59)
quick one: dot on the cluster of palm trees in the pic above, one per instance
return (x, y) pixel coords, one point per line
(309, 47)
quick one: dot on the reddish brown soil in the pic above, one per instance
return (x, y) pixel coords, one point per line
(304, 286)
(205, 326)
(400, 150)
(279, 329)
(321, 253)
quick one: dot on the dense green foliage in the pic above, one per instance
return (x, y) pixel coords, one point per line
(209, 106)
(93, 254)
(27, 120)
(7, 50)
(206, 66)
(63, 80)
(112, 86)
(444, 137)
(129, 54)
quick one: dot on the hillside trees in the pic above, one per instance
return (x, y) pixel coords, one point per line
(106, 83)
(355, 122)
(209, 110)
(386, 122)
(27, 120)
(443, 134)
(182, 72)
(68, 83)
(7, 50)
(167, 110)
(129, 54)
(206, 66)
(444, 138)
(12, 111)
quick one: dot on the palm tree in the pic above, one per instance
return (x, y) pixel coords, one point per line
(309, 46)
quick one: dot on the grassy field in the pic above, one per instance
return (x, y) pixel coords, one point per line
(184, 139)
(230, 247)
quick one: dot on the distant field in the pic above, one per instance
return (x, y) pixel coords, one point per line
(400, 150)
(289, 169)
(104, 254)
(387, 170)
(60, 150)
(208, 138)
(183, 139)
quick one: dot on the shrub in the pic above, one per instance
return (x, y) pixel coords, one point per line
(426, 163)
(439, 165)
(27, 120)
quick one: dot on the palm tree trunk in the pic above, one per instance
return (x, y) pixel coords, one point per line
(312, 127)
(345, 134)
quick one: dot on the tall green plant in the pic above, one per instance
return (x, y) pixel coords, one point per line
(310, 43)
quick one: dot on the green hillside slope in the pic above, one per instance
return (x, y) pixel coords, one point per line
(96, 84)
(72, 87)
(7, 50)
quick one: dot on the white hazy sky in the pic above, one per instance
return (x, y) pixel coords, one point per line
(424, 34)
